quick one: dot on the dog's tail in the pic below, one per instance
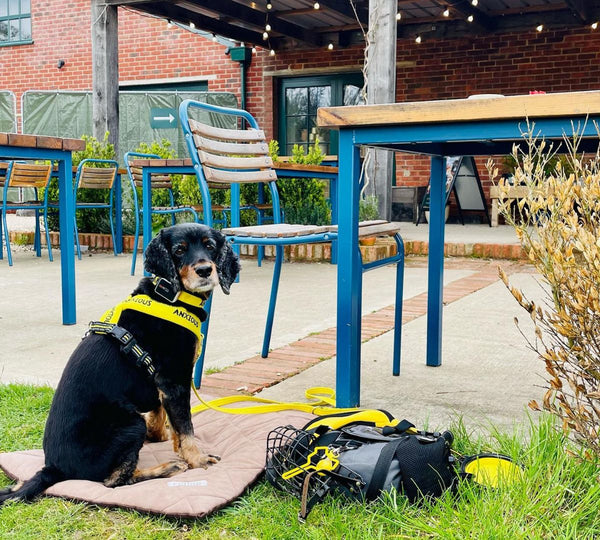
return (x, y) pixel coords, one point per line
(30, 489)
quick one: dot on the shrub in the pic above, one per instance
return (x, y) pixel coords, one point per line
(303, 200)
(558, 224)
(94, 219)
(368, 208)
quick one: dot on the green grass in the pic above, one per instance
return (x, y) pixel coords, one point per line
(557, 498)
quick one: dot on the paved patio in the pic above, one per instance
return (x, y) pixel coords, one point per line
(488, 373)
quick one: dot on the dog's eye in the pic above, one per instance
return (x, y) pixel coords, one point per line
(209, 247)
(179, 250)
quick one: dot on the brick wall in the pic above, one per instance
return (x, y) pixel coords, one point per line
(554, 61)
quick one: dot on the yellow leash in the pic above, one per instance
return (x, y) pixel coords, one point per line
(323, 403)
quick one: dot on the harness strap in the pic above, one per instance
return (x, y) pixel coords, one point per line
(129, 346)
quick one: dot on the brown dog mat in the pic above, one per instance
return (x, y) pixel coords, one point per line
(240, 441)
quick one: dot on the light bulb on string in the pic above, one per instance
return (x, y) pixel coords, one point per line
(474, 2)
(268, 27)
(269, 5)
(272, 52)
(594, 25)
(418, 39)
(330, 46)
(265, 35)
(446, 12)
(539, 27)
(316, 5)
(398, 16)
(470, 18)
(192, 25)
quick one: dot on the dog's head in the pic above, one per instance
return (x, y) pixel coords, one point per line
(192, 257)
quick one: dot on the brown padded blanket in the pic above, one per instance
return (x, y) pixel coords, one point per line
(240, 441)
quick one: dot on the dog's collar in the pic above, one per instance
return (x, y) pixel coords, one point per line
(143, 303)
(165, 289)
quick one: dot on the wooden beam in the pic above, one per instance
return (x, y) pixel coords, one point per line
(168, 10)
(254, 17)
(580, 10)
(344, 8)
(381, 88)
(105, 72)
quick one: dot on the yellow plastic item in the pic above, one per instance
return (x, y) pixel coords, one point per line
(492, 470)
(320, 459)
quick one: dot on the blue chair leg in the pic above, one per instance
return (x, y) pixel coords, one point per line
(37, 241)
(272, 300)
(76, 232)
(2, 237)
(136, 237)
(48, 244)
(261, 249)
(199, 367)
(112, 230)
(398, 307)
(7, 238)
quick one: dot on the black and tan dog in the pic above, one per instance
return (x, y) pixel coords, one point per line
(105, 405)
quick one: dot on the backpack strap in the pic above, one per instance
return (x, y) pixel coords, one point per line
(382, 467)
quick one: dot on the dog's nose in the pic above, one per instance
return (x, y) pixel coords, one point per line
(203, 269)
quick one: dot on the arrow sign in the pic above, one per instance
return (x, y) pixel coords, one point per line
(163, 118)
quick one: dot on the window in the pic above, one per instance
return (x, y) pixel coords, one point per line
(15, 22)
(299, 100)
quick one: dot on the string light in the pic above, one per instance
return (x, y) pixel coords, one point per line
(316, 5)
(268, 27)
(272, 52)
(269, 5)
(330, 46)
(192, 25)
(594, 25)
(539, 27)
(265, 35)
(470, 18)
(474, 2)
(446, 12)
(169, 23)
(418, 39)
(398, 16)
(253, 50)
(214, 37)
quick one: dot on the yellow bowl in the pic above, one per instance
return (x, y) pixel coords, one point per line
(491, 470)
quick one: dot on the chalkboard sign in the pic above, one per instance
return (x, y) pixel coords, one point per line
(463, 179)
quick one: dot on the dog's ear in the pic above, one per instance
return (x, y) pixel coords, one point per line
(228, 266)
(158, 260)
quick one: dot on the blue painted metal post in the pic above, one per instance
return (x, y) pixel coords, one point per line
(235, 213)
(66, 221)
(435, 287)
(146, 208)
(333, 197)
(118, 214)
(349, 274)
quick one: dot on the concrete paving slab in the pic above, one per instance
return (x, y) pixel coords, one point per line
(487, 376)
(34, 346)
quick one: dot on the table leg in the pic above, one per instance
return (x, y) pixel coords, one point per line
(66, 219)
(349, 276)
(435, 286)
(146, 208)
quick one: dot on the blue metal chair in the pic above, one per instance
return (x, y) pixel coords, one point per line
(96, 178)
(159, 181)
(235, 156)
(25, 175)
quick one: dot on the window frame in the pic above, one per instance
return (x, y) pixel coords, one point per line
(336, 82)
(16, 17)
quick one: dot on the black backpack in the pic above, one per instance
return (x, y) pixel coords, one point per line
(351, 455)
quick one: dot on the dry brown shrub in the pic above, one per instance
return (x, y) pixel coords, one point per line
(558, 224)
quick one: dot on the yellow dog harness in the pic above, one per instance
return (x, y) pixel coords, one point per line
(108, 325)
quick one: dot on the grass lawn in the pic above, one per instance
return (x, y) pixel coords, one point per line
(559, 497)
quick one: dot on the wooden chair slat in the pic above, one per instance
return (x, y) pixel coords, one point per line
(227, 162)
(222, 134)
(27, 175)
(218, 175)
(277, 230)
(218, 147)
(96, 178)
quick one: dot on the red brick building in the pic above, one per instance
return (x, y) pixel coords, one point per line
(153, 52)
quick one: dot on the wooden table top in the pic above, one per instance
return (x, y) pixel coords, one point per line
(40, 141)
(569, 104)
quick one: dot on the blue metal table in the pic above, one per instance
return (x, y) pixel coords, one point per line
(467, 127)
(16, 146)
